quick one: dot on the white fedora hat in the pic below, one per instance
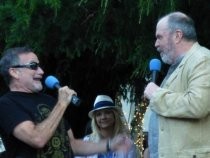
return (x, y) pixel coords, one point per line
(102, 102)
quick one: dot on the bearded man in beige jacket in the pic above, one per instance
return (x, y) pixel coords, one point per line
(179, 124)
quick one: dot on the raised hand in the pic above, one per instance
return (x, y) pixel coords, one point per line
(121, 143)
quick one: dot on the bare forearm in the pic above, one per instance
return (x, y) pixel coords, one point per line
(46, 128)
(37, 135)
(49, 125)
(81, 147)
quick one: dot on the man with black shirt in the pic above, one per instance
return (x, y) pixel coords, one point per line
(32, 123)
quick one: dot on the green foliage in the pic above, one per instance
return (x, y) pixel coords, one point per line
(118, 32)
(115, 36)
(18, 19)
(98, 46)
(99, 26)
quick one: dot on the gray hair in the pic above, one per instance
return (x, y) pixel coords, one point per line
(9, 58)
(178, 20)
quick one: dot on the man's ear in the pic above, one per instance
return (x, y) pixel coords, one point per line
(14, 72)
(178, 36)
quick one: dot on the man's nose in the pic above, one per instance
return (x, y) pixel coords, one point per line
(156, 44)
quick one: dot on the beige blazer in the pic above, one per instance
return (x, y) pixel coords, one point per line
(183, 108)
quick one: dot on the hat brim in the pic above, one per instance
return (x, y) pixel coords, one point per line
(90, 114)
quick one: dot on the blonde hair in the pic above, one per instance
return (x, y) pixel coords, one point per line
(120, 125)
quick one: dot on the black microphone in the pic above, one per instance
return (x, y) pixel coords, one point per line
(154, 66)
(52, 82)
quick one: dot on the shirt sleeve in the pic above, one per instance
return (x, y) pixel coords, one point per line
(11, 115)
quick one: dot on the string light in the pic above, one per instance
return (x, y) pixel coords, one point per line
(136, 126)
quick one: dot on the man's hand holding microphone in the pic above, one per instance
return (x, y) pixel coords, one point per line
(155, 66)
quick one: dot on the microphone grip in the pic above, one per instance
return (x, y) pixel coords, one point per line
(154, 76)
(74, 100)
(57, 86)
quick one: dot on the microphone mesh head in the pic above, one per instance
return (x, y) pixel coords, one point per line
(155, 65)
(51, 82)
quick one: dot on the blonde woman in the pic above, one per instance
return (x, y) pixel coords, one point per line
(108, 121)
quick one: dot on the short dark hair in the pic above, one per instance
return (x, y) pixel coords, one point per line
(9, 58)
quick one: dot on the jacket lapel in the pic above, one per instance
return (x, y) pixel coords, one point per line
(180, 66)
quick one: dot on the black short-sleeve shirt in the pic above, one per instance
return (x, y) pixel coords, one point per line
(17, 107)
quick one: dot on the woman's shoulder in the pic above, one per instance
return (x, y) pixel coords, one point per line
(90, 137)
(87, 137)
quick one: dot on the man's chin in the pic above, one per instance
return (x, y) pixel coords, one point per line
(164, 60)
(38, 88)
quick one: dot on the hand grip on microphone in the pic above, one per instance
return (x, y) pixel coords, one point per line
(52, 83)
